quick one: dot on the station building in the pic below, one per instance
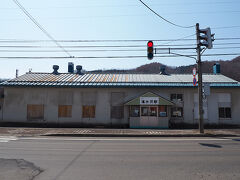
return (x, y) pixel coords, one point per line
(118, 100)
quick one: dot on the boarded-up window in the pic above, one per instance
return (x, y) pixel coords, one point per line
(35, 111)
(117, 108)
(88, 111)
(65, 111)
(117, 112)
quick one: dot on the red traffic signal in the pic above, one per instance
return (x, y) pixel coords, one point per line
(150, 44)
(150, 50)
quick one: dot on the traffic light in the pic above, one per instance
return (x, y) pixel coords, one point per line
(150, 50)
(206, 38)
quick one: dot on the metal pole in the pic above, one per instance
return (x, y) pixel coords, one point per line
(200, 93)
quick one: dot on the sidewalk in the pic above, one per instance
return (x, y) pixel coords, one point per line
(91, 132)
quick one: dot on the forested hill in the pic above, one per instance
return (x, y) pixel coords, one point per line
(228, 68)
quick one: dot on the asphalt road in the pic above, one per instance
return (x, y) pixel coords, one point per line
(68, 158)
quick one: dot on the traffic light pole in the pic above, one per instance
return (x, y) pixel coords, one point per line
(200, 91)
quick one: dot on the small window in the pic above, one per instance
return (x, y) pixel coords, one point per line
(179, 97)
(64, 111)
(224, 112)
(162, 110)
(153, 111)
(88, 111)
(144, 111)
(117, 112)
(134, 111)
(173, 96)
(35, 111)
(177, 112)
(176, 97)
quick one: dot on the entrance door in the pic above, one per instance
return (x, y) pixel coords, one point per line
(149, 116)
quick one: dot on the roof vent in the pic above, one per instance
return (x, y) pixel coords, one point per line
(70, 67)
(55, 69)
(216, 68)
(163, 70)
(79, 69)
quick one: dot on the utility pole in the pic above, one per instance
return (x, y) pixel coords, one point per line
(200, 91)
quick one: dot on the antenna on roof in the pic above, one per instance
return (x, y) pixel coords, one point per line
(16, 73)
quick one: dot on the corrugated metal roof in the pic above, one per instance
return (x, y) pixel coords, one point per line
(120, 80)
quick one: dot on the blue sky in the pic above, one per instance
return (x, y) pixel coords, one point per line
(109, 20)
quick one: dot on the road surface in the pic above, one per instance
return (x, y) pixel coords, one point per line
(71, 158)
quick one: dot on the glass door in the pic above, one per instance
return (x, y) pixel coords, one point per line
(149, 116)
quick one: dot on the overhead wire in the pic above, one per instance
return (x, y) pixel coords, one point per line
(91, 46)
(164, 18)
(39, 26)
(105, 57)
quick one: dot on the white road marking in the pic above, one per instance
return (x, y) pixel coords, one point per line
(125, 139)
(7, 138)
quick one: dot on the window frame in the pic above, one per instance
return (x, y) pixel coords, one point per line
(176, 97)
(224, 113)
(132, 108)
(143, 107)
(177, 109)
(165, 110)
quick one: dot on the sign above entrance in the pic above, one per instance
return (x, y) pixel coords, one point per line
(149, 100)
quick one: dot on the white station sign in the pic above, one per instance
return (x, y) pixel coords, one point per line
(149, 100)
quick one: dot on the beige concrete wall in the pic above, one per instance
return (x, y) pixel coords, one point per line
(16, 100)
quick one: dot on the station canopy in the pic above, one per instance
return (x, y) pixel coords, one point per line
(149, 98)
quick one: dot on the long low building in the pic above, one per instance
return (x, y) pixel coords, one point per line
(118, 100)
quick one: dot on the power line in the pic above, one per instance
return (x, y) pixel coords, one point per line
(107, 57)
(165, 18)
(219, 44)
(97, 50)
(226, 27)
(232, 38)
(94, 46)
(108, 40)
(39, 26)
(89, 41)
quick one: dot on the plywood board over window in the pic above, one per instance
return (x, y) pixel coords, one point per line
(117, 112)
(88, 111)
(117, 106)
(65, 111)
(35, 111)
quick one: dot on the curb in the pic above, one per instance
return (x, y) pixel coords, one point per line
(142, 135)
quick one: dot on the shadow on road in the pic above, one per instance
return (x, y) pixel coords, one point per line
(211, 145)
